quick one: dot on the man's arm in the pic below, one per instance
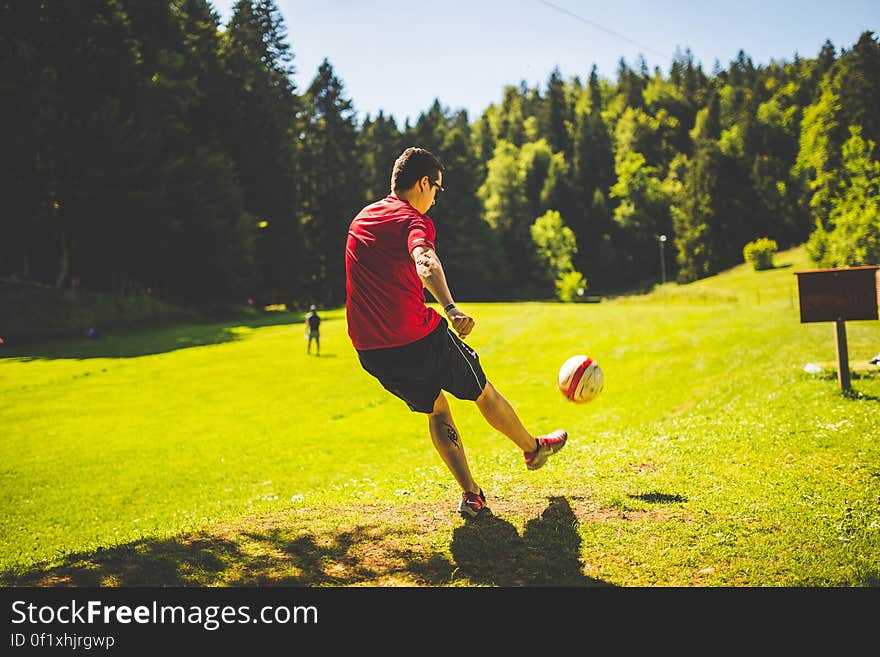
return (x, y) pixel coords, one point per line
(430, 270)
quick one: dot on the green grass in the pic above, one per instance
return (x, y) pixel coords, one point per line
(220, 454)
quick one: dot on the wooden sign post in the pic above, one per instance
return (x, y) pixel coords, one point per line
(837, 295)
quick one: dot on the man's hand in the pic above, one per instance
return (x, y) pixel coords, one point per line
(461, 323)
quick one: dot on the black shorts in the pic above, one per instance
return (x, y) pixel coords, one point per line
(418, 371)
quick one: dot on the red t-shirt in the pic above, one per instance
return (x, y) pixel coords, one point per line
(384, 296)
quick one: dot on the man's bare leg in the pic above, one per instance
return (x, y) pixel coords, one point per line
(500, 414)
(447, 442)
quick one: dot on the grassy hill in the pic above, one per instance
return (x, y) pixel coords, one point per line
(221, 454)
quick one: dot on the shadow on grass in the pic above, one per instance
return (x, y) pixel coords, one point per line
(157, 340)
(488, 551)
(659, 498)
(856, 376)
(855, 395)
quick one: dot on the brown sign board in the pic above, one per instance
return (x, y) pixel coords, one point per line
(844, 293)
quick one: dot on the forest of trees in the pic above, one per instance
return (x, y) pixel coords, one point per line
(146, 147)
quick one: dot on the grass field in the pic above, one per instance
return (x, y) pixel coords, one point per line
(221, 454)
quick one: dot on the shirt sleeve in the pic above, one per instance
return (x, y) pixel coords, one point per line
(421, 232)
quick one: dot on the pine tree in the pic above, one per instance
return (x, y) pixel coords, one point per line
(333, 183)
(558, 115)
(592, 173)
(429, 129)
(381, 143)
(534, 159)
(508, 120)
(70, 87)
(467, 246)
(693, 215)
(629, 84)
(593, 158)
(24, 177)
(261, 133)
(858, 87)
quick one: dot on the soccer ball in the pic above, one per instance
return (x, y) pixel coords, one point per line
(580, 379)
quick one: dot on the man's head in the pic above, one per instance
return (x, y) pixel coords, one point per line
(313, 307)
(417, 177)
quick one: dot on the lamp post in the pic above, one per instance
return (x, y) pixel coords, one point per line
(662, 240)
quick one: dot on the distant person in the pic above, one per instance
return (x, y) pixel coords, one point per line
(408, 346)
(313, 331)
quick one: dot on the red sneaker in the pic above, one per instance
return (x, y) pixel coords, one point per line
(547, 445)
(473, 504)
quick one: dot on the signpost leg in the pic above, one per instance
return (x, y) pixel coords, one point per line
(842, 355)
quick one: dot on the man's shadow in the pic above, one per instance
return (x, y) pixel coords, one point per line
(488, 550)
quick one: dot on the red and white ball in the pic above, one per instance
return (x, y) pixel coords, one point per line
(581, 379)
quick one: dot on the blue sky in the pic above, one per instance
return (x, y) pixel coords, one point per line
(399, 56)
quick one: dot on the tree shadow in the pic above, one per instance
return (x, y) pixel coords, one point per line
(486, 552)
(274, 557)
(133, 343)
(489, 550)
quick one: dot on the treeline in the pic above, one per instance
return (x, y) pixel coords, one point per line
(147, 147)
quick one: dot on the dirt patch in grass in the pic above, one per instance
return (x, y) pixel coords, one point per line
(421, 544)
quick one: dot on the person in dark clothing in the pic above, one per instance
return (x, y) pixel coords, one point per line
(313, 323)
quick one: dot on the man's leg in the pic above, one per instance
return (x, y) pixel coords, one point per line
(500, 414)
(448, 444)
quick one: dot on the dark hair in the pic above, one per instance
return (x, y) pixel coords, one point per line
(411, 166)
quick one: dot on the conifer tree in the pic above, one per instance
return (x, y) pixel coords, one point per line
(694, 214)
(65, 188)
(558, 115)
(859, 88)
(261, 134)
(333, 183)
(381, 143)
(466, 244)
(592, 175)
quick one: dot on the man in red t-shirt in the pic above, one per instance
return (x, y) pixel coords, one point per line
(389, 261)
